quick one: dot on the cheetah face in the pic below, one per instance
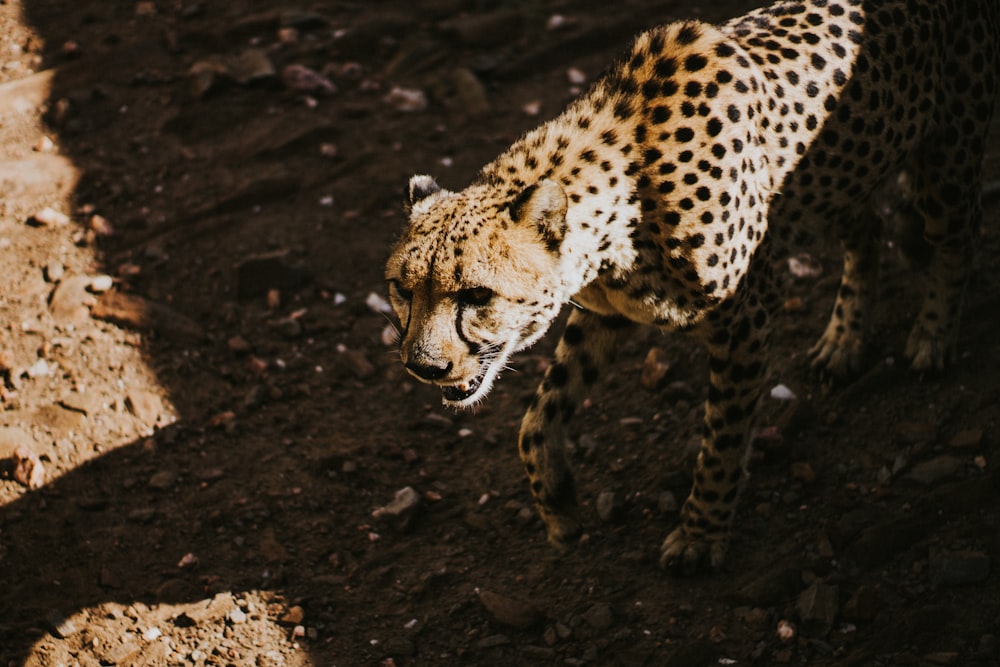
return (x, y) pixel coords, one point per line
(473, 280)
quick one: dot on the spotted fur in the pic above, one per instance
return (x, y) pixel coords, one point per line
(658, 199)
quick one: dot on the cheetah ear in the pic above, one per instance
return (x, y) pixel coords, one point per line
(542, 205)
(420, 186)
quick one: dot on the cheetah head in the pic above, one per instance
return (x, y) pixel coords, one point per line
(475, 278)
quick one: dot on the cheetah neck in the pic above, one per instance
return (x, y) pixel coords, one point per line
(602, 209)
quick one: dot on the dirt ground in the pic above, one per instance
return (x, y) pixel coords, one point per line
(196, 383)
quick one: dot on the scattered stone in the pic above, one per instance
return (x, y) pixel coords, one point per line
(655, 368)
(100, 225)
(510, 612)
(49, 217)
(85, 404)
(257, 274)
(28, 468)
(782, 393)
(131, 310)
(305, 80)
(163, 480)
(967, 439)
(101, 283)
(954, 568)
(785, 631)
(805, 266)
(818, 607)
(399, 647)
(294, 616)
(239, 345)
(803, 472)
(492, 641)
(773, 586)
(937, 469)
(599, 616)
(145, 405)
(289, 327)
(576, 76)
(188, 560)
(356, 362)
(54, 271)
(407, 100)
(402, 510)
(251, 66)
(62, 626)
(71, 301)
(609, 506)
(39, 369)
(667, 503)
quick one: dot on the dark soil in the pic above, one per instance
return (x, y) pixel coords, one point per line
(218, 427)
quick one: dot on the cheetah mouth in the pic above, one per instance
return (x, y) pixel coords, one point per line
(469, 392)
(461, 392)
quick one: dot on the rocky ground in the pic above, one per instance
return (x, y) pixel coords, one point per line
(209, 454)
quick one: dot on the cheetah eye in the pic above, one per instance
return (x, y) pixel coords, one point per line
(475, 296)
(401, 292)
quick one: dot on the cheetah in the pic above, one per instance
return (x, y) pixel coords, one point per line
(661, 196)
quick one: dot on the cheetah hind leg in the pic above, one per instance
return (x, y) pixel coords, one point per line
(840, 351)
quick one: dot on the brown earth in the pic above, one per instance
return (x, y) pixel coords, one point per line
(191, 361)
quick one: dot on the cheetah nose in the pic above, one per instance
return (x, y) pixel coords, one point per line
(428, 372)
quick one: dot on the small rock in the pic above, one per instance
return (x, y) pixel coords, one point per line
(49, 217)
(63, 627)
(294, 616)
(805, 266)
(785, 631)
(54, 271)
(935, 470)
(818, 607)
(131, 310)
(251, 66)
(407, 100)
(599, 616)
(510, 612)
(803, 472)
(609, 506)
(304, 80)
(101, 283)
(100, 225)
(145, 405)
(967, 439)
(402, 510)
(70, 300)
(237, 616)
(667, 503)
(576, 76)
(163, 480)
(954, 568)
(782, 393)
(399, 647)
(188, 560)
(39, 369)
(655, 368)
(238, 344)
(28, 469)
(492, 641)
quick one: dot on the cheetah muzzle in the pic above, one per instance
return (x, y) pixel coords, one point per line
(663, 196)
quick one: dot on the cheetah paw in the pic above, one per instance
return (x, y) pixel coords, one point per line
(927, 351)
(684, 554)
(563, 529)
(838, 355)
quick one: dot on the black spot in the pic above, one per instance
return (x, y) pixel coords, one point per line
(665, 67)
(684, 134)
(714, 127)
(695, 62)
(688, 34)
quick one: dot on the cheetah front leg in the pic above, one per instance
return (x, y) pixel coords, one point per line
(840, 350)
(586, 347)
(737, 365)
(951, 213)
